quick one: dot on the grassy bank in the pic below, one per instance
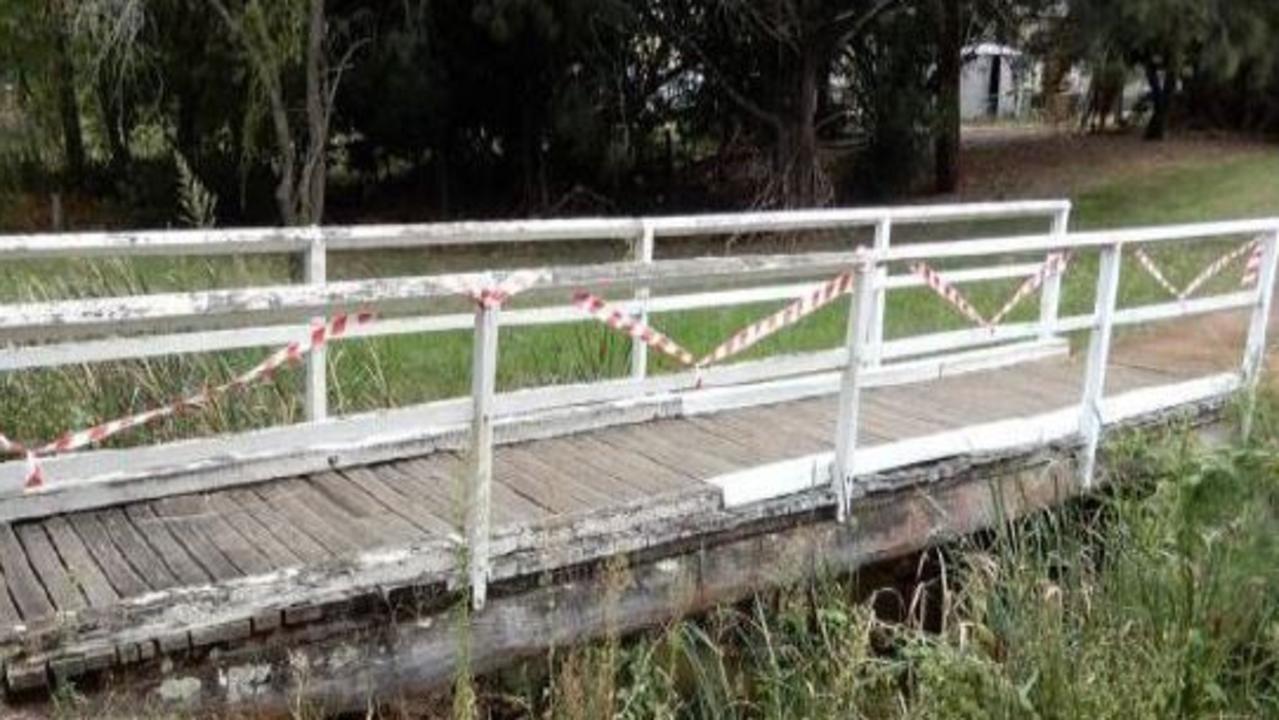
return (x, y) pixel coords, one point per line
(1158, 599)
(404, 370)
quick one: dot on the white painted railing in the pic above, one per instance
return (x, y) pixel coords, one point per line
(109, 328)
(315, 244)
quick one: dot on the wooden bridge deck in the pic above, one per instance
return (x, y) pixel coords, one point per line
(103, 558)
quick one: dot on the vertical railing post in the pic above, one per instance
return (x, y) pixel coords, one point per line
(1254, 358)
(861, 313)
(1050, 293)
(641, 253)
(1091, 420)
(883, 239)
(316, 399)
(479, 484)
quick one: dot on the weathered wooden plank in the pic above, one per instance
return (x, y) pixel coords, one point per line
(561, 479)
(53, 574)
(134, 548)
(672, 436)
(84, 569)
(185, 567)
(123, 577)
(207, 540)
(284, 498)
(563, 452)
(28, 594)
(635, 463)
(253, 533)
(362, 534)
(536, 485)
(9, 616)
(430, 481)
(403, 505)
(631, 464)
(608, 481)
(291, 536)
(781, 433)
(434, 481)
(891, 421)
(364, 509)
(643, 442)
(721, 443)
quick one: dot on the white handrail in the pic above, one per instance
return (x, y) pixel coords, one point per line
(366, 237)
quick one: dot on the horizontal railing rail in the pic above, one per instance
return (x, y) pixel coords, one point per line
(366, 237)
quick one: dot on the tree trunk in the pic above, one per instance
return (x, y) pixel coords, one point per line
(312, 183)
(798, 176)
(68, 108)
(946, 143)
(1161, 89)
(111, 105)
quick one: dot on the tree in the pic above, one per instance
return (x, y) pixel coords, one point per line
(276, 38)
(1163, 38)
(771, 61)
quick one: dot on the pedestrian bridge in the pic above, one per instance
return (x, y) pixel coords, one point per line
(203, 569)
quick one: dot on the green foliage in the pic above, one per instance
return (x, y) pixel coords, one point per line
(1222, 53)
(197, 206)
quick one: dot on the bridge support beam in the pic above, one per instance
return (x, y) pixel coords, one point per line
(1091, 421)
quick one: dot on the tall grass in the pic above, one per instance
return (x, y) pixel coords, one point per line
(1158, 599)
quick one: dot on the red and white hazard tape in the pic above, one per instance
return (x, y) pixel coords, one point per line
(948, 292)
(321, 333)
(1153, 270)
(798, 310)
(623, 321)
(1252, 269)
(1056, 264)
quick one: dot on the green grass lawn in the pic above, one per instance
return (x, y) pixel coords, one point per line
(410, 369)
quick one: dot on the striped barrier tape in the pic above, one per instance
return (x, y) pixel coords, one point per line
(948, 292)
(1252, 268)
(624, 322)
(321, 334)
(1056, 264)
(1153, 270)
(797, 310)
(794, 312)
